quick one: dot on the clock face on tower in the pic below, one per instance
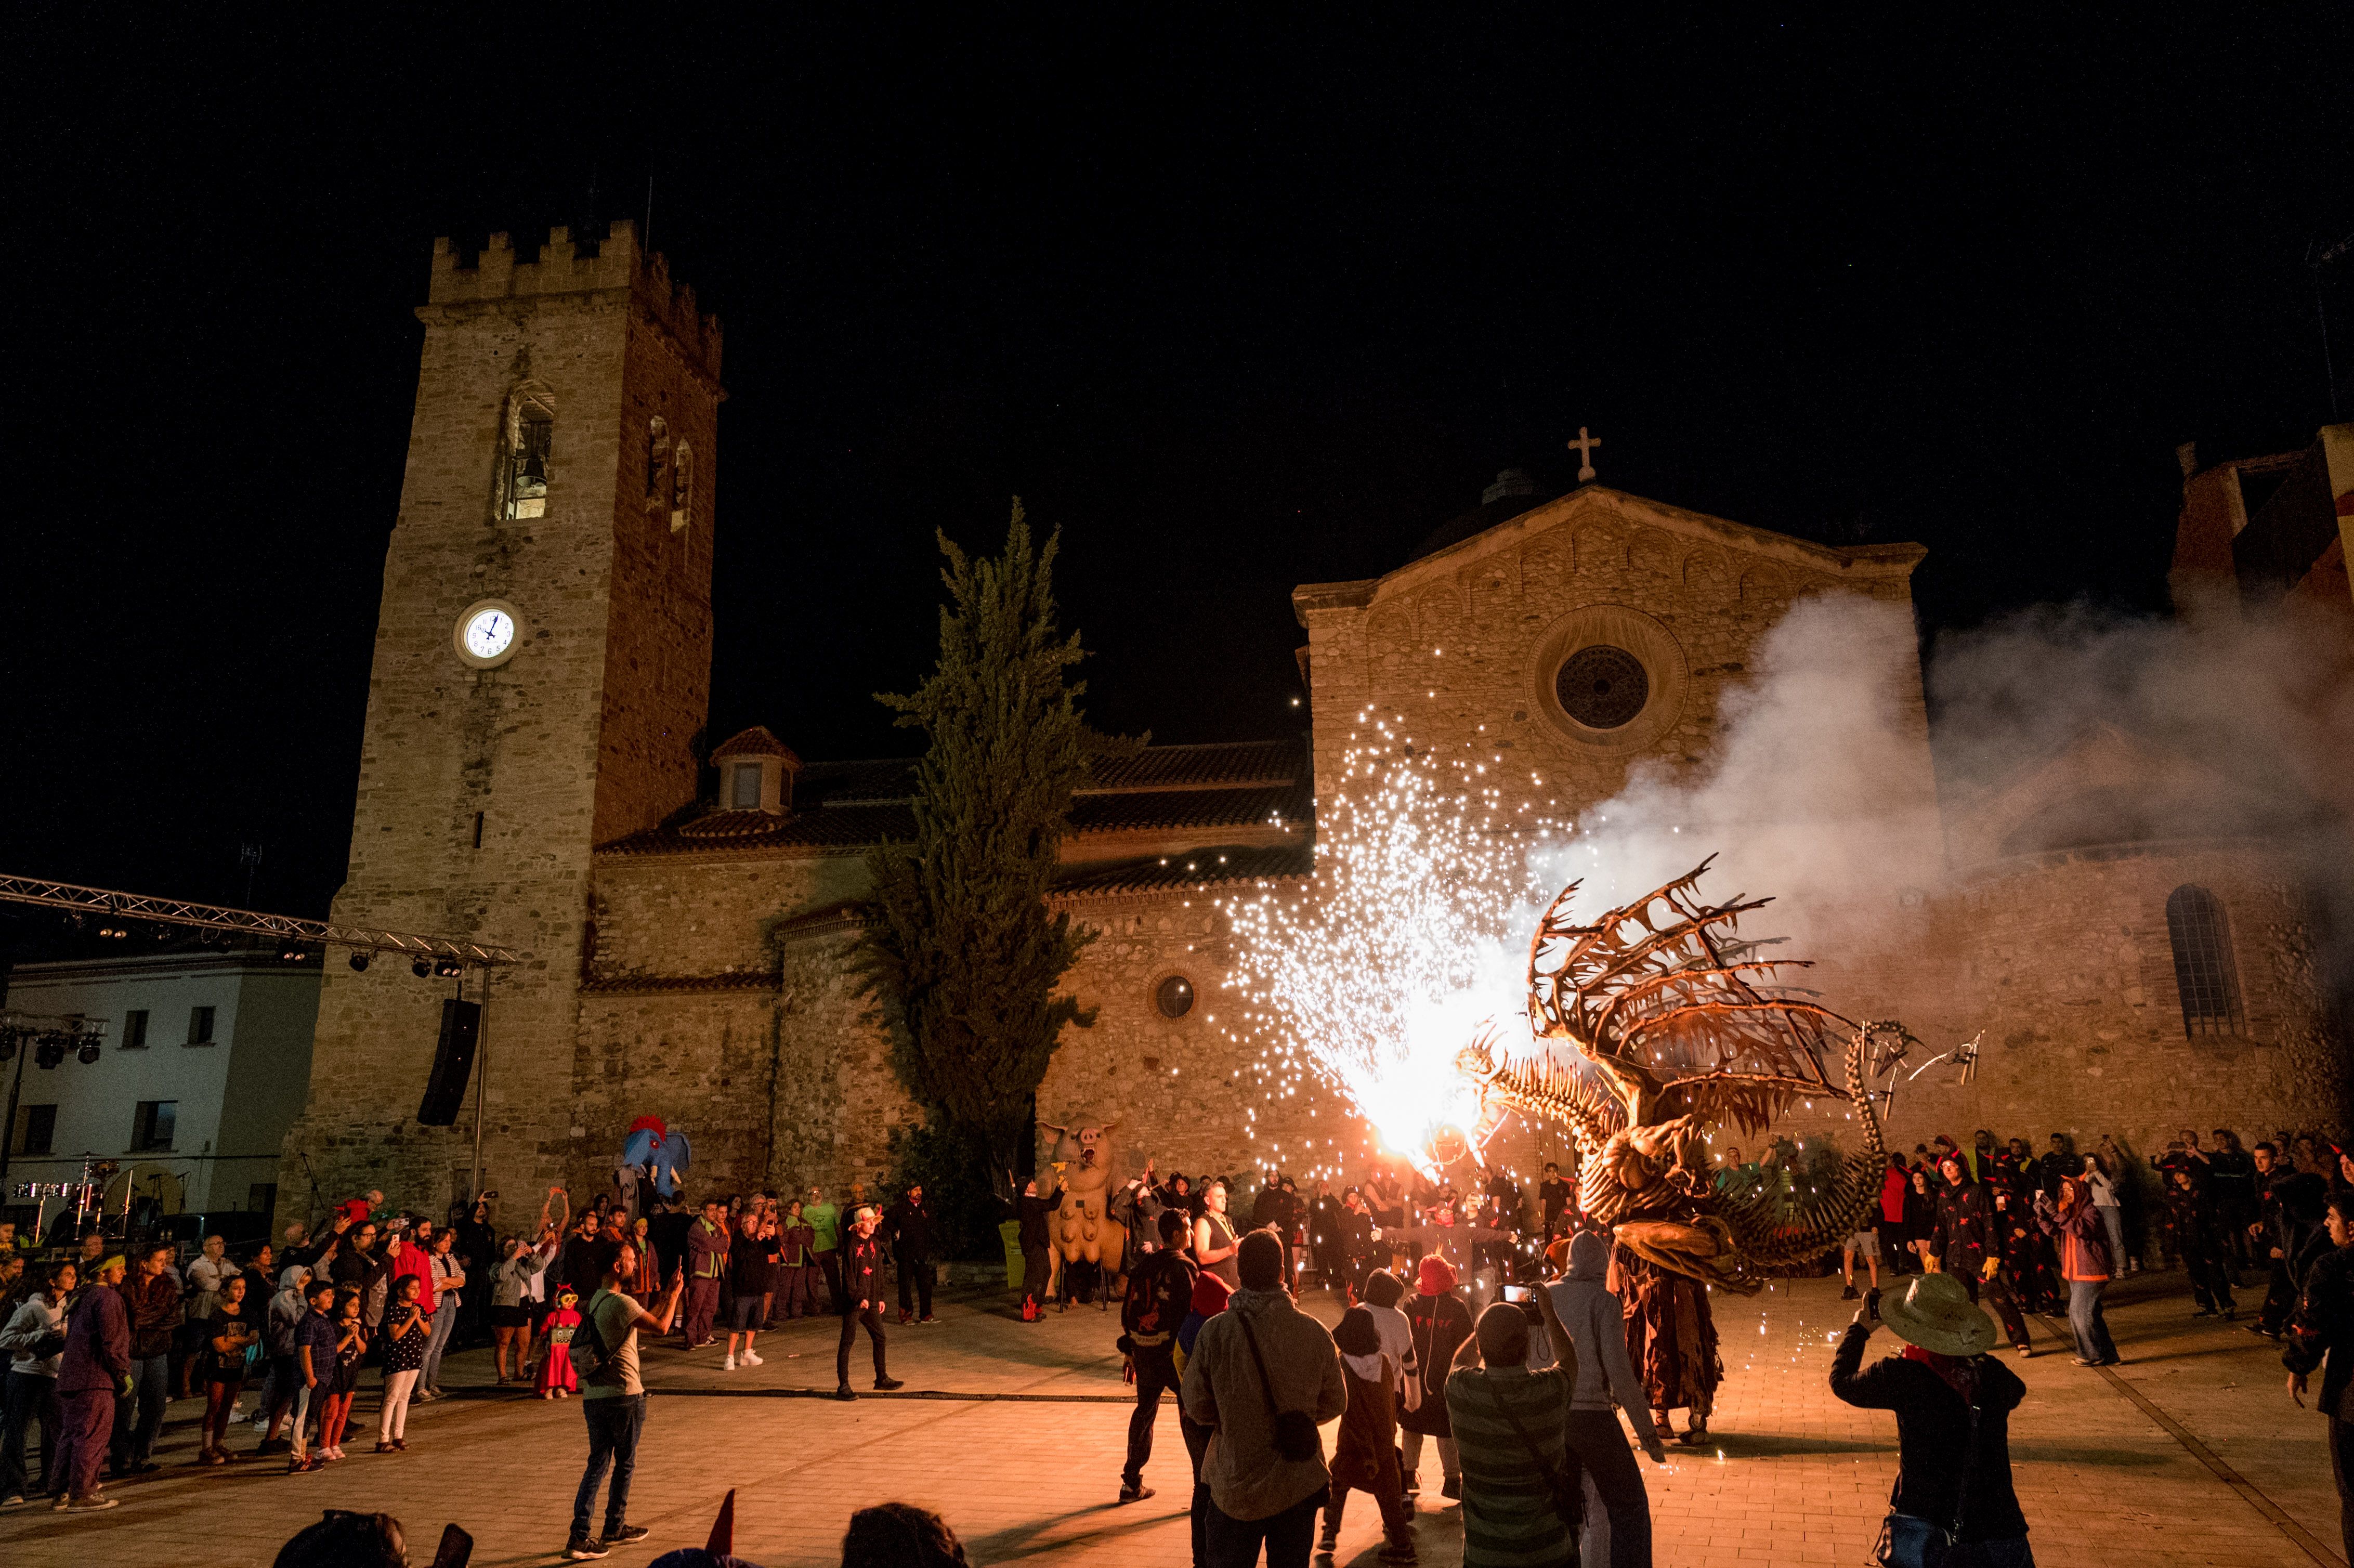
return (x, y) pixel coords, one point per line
(485, 634)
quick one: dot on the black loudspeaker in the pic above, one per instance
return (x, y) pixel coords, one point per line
(454, 1063)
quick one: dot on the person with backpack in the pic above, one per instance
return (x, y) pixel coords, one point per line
(1263, 1375)
(1952, 1404)
(1160, 1293)
(613, 1399)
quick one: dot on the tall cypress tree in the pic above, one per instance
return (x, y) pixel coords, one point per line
(961, 950)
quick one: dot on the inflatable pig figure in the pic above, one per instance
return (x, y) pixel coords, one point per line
(1083, 1230)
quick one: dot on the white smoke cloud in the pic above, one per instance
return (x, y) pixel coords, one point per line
(1817, 794)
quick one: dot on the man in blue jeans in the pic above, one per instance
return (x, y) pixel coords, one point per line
(614, 1401)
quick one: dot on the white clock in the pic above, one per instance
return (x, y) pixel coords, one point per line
(485, 634)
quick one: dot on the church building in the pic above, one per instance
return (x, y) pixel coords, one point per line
(528, 776)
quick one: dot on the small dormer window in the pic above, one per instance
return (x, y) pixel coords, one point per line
(756, 774)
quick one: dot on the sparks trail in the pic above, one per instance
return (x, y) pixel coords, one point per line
(1368, 977)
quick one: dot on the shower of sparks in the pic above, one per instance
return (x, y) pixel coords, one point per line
(1409, 938)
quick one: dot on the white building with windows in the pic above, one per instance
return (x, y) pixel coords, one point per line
(204, 1062)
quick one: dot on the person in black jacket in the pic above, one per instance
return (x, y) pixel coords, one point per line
(862, 1300)
(2321, 1337)
(1953, 1404)
(909, 1224)
(1035, 1208)
(1160, 1294)
(2198, 1237)
(1963, 1240)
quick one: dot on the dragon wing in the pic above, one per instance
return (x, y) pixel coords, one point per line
(1661, 994)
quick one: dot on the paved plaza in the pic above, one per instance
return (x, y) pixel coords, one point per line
(2191, 1454)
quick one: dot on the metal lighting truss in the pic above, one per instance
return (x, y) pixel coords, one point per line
(107, 904)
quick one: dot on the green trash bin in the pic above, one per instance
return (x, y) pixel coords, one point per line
(1010, 1233)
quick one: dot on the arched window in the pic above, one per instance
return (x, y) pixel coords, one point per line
(529, 441)
(2202, 962)
(657, 462)
(681, 503)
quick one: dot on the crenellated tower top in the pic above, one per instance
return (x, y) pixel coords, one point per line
(564, 266)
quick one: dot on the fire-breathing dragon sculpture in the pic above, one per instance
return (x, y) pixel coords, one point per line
(1658, 998)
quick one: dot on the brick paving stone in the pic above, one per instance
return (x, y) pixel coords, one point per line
(1027, 1465)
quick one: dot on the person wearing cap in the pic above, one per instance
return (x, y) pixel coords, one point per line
(1952, 1404)
(94, 1369)
(1438, 1322)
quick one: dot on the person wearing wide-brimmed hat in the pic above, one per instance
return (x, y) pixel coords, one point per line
(1953, 1404)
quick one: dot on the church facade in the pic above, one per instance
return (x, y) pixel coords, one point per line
(529, 777)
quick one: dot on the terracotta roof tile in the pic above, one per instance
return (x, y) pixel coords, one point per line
(756, 742)
(1212, 867)
(1224, 763)
(830, 826)
(1242, 808)
(840, 805)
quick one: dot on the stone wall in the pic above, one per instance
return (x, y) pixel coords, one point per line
(1463, 645)
(838, 1102)
(2063, 959)
(674, 916)
(482, 791)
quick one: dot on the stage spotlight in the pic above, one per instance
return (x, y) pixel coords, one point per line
(292, 955)
(359, 962)
(49, 1050)
(88, 1051)
(449, 968)
(422, 969)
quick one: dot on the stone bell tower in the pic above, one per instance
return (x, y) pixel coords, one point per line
(543, 663)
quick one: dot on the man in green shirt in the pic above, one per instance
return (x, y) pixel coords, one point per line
(1521, 1504)
(613, 1402)
(825, 1222)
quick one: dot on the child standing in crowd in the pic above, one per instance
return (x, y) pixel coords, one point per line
(1364, 1453)
(314, 1373)
(557, 1378)
(351, 1347)
(224, 1342)
(404, 1337)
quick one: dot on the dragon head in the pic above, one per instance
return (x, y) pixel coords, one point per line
(1477, 1061)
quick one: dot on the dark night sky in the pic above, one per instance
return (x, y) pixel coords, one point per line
(1237, 305)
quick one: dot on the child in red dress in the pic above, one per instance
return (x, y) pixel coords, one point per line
(557, 1379)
